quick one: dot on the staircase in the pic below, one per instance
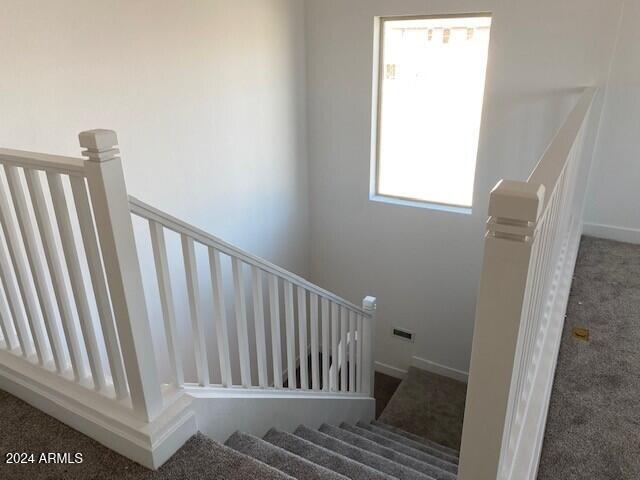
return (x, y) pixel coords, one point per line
(76, 325)
(361, 451)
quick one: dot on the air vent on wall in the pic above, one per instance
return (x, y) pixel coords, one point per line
(403, 334)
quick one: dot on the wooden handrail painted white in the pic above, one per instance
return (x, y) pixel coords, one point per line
(531, 242)
(548, 169)
(144, 210)
(43, 161)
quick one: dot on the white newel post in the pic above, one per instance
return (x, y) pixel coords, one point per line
(514, 210)
(110, 203)
(369, 305)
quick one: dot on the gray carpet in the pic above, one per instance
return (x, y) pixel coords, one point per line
(593, 427)
(373, 447)
(383, 389)
(416, 438)
(386, 439)
(329, 454)
(430, 406)
(429, 448)
(325, 457)
(360, 455)
(26, 429)
(296, 466)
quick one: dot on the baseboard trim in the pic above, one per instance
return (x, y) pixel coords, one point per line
(109, 423)
(443, 370)
(390, 370)
(611, 232)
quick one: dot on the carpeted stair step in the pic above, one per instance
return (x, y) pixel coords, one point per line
(279, 458)
(373, 447)
(402, 448)
(324, 457)
(373, 460)
(409, 443)
(214, 460)
(416, 438)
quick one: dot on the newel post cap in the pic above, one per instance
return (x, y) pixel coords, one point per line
(520, 201)
(369, 304)
(100, 144)
(98, 139)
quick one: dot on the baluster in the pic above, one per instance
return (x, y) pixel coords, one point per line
(22, 277)
(352, 351)
(302, 338)
(291, 334)
(6, 325)
(220, 317)
(163, 277)
(54, 263)
(258, 316)
(325, 344)
(13, 301)
(313, 308)
(241, 321)
(342, 355)
(36, 267)
(75, 276)
(193, 293)
(276, 346)
(359, 354)
(90, 241)
(335, 366)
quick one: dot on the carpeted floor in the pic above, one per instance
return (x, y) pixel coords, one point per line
(430, 406)
(593, 428)
(384, 388)
(26, 429)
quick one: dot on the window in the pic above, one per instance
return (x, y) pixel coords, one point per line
(431, 75)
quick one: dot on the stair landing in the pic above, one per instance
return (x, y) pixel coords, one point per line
(429, 406)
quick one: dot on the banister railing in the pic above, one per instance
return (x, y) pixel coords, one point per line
(72, 303)
(80, 328)
(313, 317)
(75, 330)
(144, 210)
(531, 242)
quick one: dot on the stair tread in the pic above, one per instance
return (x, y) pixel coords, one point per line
(279, 458)
(398, 457)
(324, 457)
(365, 457)
(220, 462)
(416, 438)
(410, 443)
(402, 448)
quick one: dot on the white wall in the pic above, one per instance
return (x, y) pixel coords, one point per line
(424, 265)
(207, 98)
(613, 209)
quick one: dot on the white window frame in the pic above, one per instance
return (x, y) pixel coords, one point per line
(376, 124)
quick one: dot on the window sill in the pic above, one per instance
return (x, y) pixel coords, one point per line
(420, 204)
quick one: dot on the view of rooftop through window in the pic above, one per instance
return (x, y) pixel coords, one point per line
(430, 94)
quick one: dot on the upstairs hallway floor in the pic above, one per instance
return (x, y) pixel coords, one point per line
(593, 427)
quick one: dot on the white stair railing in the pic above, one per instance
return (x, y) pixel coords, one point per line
(312, 317)
(80, 328)
(75, 333)
(531, 245)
